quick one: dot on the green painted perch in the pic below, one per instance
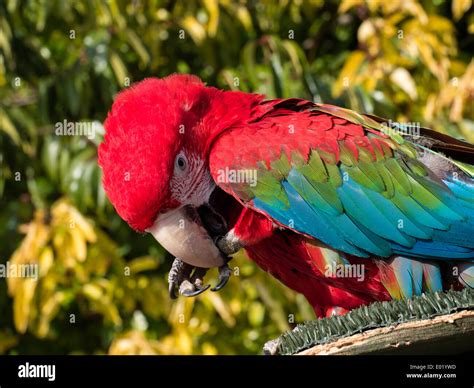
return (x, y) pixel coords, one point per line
(437, 323)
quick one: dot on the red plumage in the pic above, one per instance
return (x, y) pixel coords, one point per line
(291, 259)
(137, 137)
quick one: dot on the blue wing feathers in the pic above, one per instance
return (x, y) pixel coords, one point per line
(372, 224)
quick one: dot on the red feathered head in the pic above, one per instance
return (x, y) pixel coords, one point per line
(144, 131)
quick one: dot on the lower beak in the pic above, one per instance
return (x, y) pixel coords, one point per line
(182, 234)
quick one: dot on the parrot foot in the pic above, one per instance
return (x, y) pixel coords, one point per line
(224, 275)
(189, 280)
(183, 278)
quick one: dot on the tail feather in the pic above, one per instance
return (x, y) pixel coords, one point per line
(405, 277)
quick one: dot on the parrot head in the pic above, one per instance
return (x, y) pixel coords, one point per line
(154, 159)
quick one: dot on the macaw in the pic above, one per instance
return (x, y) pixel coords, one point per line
(342, 207)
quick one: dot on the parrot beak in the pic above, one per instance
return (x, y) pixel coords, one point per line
(181, 232)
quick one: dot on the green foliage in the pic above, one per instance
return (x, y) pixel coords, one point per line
(102, 287)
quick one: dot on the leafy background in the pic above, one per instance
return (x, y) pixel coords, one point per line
(102, 287)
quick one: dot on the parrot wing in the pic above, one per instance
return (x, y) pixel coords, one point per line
(351, 181)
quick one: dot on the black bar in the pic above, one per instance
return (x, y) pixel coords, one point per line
(170, 371)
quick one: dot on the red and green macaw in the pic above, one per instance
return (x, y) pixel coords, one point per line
(342, 207)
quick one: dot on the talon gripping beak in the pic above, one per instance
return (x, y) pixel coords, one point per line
(181, 233)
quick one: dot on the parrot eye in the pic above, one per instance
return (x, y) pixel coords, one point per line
(181, 162)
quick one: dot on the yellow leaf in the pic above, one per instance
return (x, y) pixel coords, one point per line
(208, 349)
(414, 8)
(78, 244)
(138, 46)
(426, 54)
(403, 79)
(92, 291)
(212, 7)
(244, 17)
(65, 214)
(366, 30)
(440, 24)
(7, 126)
(133, 343)
(460, 7)
(349, 72)
(346, 5)
(37, 235)
(116, 14)
(22, 304)
(111, 313)
(45, 261)
(194, 28)
(141, 264)
(119, 68)
(49, 309)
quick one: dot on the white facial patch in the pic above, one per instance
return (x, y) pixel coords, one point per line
(193, 186)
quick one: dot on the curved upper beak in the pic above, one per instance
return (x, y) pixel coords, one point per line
(182, 234)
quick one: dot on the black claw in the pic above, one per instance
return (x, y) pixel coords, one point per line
(177, 271)
(196, 292)
(172, 291)
(220, 285)
(224, 275)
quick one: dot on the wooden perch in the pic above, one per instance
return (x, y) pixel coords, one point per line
(431, 323)
(445, 334)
